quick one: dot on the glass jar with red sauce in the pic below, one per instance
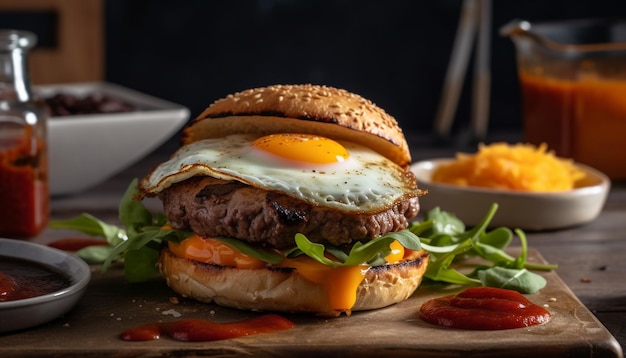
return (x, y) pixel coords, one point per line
(573, 82)
(24, 196)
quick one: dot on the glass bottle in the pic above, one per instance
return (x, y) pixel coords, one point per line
(24, 196)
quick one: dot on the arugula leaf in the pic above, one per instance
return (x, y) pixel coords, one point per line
(438, 268)
(132, 213)
(513, 279)
(313, 250)
(94, 254)
(92, 226)
(263, 255)
(445, 222)
(149, 238)
(135, 267)
(380, 247)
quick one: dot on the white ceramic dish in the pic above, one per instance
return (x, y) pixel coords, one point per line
(30, 312)
(85, 150)
(527, 211)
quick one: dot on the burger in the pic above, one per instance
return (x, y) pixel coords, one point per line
(297, 198)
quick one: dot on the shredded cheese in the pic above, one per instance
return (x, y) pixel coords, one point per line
(522, 167)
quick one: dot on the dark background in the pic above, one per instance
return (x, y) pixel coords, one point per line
(393, 52)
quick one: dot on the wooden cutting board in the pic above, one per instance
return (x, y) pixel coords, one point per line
(110, 306)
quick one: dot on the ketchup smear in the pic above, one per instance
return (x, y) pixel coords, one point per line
(484, 308)
(199, 330)
(77, 243)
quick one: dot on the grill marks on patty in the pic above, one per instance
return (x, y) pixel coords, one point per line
(220, 193)
(211, 207)
(288, 215)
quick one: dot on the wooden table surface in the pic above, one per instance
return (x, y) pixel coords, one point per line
(591, 258)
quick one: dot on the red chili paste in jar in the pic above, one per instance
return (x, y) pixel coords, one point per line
(24, 198)
(199, 330)
(484, 308)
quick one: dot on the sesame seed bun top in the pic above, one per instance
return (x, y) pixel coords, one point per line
(321, 110)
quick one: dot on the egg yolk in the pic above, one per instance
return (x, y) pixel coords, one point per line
(303, 148)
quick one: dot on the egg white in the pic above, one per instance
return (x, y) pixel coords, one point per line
(365, 182)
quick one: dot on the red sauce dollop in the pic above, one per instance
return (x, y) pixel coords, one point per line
(77, 243)
(484, 308)
(199, 330)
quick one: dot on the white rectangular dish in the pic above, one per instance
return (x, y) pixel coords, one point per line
(85, 150)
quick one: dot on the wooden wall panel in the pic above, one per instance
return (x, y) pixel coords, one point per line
(79, 52)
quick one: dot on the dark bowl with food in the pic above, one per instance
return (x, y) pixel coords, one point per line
(37, 283)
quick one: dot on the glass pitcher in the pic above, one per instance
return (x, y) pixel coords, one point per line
(573, 82)
(24, 197)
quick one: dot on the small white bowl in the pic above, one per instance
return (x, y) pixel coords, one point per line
(85, 150)
(525, 210)
(30, 312)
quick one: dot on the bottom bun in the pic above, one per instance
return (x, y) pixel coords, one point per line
(282, 289)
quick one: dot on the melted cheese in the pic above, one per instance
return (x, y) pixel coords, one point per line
(213, 252)
(340, 283)
(397, 253)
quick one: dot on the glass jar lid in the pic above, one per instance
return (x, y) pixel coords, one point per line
(16, 39)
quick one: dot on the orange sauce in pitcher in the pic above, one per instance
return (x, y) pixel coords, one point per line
(584, 119)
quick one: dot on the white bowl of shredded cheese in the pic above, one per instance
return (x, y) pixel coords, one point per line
(524, 209)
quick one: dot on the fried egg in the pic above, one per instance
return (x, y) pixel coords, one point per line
(317, 170)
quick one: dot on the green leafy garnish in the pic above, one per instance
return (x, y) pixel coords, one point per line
(514, 279)
(442, 234)
(92, 226)
(372, 252)
(138, 245)
(259, 254)
(447, 240)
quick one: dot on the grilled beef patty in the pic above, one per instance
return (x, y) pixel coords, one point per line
(216, 208)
